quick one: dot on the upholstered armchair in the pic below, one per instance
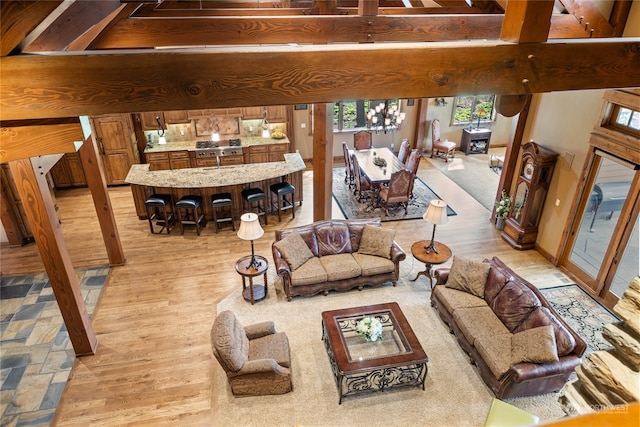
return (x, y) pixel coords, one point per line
(441, 148)
(362, 140)
(255, 358)
(398, 191)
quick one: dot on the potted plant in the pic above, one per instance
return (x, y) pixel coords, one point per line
(502, 209)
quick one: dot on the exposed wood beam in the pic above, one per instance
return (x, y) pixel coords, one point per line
(589, 17)
(40, 212)
(367, 7)
(28, 141)
(149, 33)
(19, 18)
(527, 21)
(322, 160)
(89, 84)
(71, 24)
(84, 41)
(619, 16)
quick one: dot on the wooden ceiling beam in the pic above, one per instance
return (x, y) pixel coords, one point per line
(89, 84)
(22, 142)
(588, 15)
(19, 18)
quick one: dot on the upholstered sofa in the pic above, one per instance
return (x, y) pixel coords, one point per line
(336, 255)
(256, 358)
(520, 345)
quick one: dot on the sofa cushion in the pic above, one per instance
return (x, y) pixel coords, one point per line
(496, 279)
(541, 316)
(309, 273)
(333, 238)
(230, 341)
(372, 265)
(376, 241)
(537, 345)
(495, 350)
(476, 322)
(454, 299)
(341, 266)
(356, 227)
(274, 346)
(468, 275)
(513, 304)
(307, 232)
(294, 250)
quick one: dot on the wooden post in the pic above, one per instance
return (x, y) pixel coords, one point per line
(38, 205)
(421, 121)
(322, 160)
(94, 174)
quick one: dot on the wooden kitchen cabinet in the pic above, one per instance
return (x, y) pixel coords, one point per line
(179, 159)
(148, 120)
(68, 172)
(251, 113)
(275, 113)
(222, 112)
(13, 206)
(158, 161)
(174, 117)
(276, 152)
(117, 145)
(256, 154)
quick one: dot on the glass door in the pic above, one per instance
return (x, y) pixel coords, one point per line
(603, 247)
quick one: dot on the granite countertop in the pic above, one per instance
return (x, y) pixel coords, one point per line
(246, 141)
(139, 174)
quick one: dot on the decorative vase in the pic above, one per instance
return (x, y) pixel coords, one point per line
(500, 223)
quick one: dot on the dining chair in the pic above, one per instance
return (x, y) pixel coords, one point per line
(362, 140)
(348, 166)
(441, 148)
(398, 191)
(403, 154)
(362, 183)
(413, 164)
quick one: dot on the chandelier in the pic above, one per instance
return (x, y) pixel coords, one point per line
(385, 117)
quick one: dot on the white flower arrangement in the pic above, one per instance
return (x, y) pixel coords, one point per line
(370, 328)
(504, 205)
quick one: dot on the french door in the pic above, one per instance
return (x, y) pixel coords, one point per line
(603, 246)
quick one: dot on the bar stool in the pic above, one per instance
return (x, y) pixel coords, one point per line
(157, 211)
(257, 196)
(221, 200)
(281, 190)
(193, 212)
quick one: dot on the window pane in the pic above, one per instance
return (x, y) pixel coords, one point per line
(624, 114)
(336, 116)
(635, 120)
(462, 113)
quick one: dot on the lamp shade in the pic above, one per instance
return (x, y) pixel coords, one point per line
(436, 212)
(250, 227)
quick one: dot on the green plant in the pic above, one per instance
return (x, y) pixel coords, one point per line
(504, 205)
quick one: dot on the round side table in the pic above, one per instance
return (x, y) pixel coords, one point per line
(253, 293)
(419, 252)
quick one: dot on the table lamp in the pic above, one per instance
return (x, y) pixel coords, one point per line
(436, 214)
(250, 230)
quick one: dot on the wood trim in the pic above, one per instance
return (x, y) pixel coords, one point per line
(40, 211)
(115, 83)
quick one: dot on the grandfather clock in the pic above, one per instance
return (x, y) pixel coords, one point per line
(536, 170)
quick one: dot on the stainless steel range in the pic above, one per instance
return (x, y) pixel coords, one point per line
(206, 149)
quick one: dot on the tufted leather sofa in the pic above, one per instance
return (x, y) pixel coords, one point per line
(484, 328)
(339, 241)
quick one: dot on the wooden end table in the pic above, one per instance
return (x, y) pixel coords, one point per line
(419, 252)
(253, 293)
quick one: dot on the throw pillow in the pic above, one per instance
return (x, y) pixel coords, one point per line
(294, 250)
(376, 241)
(537, 345)
(468, 275)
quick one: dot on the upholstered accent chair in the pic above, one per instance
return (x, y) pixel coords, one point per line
(403, 154)
(441, 148)
(412, 165)
(398, 191)
(362, 140)
(363, 187)
(348, 165)
(255, 358)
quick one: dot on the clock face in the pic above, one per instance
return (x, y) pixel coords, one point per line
(527, 171)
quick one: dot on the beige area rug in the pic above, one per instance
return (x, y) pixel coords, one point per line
(455, 395)
(473, 174)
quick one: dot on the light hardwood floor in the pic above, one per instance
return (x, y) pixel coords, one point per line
(154, 364)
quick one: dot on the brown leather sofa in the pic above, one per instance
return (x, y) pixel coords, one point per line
(337, 260)
(485, 328)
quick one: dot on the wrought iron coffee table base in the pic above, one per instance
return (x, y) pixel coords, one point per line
(374, 379)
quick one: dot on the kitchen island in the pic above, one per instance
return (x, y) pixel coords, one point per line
(206, 181)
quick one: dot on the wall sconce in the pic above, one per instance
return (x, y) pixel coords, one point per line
(265, 125)
(161, 139)
(250, 230)
(436, 214)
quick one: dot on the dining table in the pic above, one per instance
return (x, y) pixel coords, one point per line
(377, 164)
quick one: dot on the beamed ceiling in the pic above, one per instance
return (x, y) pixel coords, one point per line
(71, 58)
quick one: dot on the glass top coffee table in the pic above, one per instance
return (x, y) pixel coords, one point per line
(397, 359)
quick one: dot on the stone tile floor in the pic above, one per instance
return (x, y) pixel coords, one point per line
(36, 354)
